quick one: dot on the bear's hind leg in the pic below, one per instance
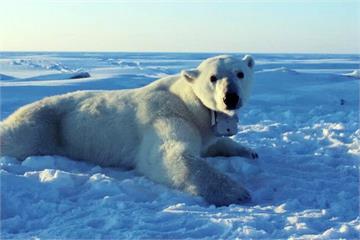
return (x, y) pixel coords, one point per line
(30, 131)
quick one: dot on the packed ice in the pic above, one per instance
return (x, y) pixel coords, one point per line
(302, 119)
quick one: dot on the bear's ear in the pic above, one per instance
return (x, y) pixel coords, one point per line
(190, 75)
(249, 61)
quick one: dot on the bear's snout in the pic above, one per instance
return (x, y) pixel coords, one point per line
(232, 100)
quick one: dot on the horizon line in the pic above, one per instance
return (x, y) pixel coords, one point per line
(184, 52)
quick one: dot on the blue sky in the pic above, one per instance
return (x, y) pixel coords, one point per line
(330, 26)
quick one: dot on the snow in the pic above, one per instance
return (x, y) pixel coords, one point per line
(355, 73)
(302, 120)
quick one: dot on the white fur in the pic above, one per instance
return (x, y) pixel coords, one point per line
(162, 130)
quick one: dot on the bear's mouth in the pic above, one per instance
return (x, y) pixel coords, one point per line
(229, 112)
(238, 106)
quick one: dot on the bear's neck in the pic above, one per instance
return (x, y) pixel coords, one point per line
(199, 112)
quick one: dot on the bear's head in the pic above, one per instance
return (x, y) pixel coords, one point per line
(222, 83)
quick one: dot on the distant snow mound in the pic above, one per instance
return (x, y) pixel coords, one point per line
(5, 77)
(355, 74)
(125, 64)
(80, 75)
(156, 75)
(280, 69)
(60, 76)
(129, 63)
(41, 64)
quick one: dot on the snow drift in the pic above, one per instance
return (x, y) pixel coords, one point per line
(302, 120)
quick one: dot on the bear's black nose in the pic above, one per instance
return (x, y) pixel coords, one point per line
(231, 100)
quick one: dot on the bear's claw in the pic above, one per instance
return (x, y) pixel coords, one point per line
(254, 155)
(246, 197)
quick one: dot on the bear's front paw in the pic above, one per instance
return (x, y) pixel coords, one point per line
(242, 195)
(226, 192)
(251, 154)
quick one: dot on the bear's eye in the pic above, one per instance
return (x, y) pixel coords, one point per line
(213, 78)
(240, 75)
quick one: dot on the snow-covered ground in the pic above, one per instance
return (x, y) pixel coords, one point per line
(303, 120)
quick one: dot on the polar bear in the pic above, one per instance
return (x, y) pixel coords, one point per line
(163, 130)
